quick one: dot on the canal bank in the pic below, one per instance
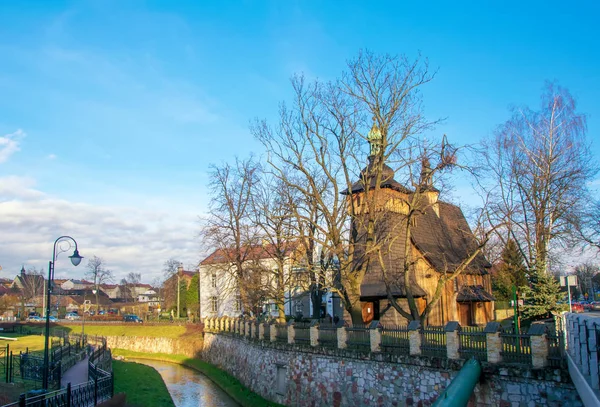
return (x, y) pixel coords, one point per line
(229, 384)
(188, 387)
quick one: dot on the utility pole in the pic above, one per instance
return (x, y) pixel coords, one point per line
(178, 290)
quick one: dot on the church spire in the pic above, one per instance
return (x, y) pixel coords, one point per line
(375, 140)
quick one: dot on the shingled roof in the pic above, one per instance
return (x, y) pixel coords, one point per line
(250, 253)
(366, 177)
(473, 293)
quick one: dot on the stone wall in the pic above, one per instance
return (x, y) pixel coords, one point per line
(300, 376)
(191, 347)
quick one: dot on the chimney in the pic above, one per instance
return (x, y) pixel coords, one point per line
(180, 269)
(22, 271)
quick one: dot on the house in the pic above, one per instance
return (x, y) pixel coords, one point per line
(111, 290)
(220, 296)
(150, 297)
(440, 241)
(72, 284)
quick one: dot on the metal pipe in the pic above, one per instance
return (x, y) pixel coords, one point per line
(459, 391)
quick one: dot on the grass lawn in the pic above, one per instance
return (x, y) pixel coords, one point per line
(142, 384)
(164, 331)
(33, 342)
(224, 380)
(10, 392)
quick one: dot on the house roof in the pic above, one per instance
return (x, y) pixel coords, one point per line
(366, 177)
(473, 293)
(250, 253)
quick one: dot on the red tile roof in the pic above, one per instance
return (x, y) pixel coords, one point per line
(250, 253)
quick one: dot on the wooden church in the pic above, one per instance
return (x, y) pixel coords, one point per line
(439, 241)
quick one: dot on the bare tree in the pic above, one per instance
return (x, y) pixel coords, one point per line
(228, 226)
(540, 164)
(317, 148)
(97, 271)
(272, 215)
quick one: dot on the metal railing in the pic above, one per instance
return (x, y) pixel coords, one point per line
(281, 332)
(302, 332)
(328, 336)
(556, 348)
(394, 339)
(433, 341)
(472, 343)
(516, 348)
(358, 337)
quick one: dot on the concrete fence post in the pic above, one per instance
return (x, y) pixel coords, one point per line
(375, 336)
(314, 333)
(539, 345)
(261, 331)
(273, 333)
(247, 328)
(291, 333)
(342, 337)
(256, 329)
(227, 324)
(593, 348)
(414, 337)
(583, 343)
(452, 339)
(493, 342)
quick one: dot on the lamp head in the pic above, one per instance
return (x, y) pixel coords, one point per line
(76, 258)
(94, 291)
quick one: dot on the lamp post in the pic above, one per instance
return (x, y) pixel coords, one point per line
(75, 260)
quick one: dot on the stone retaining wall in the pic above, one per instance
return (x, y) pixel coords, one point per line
(191, 347)
(297, 376)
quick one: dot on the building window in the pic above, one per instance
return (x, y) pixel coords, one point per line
(214, 304)
(213, 280)
(237, 303)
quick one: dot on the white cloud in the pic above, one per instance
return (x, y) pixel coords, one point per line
(9, 144)
(51, 156)
(127, 238)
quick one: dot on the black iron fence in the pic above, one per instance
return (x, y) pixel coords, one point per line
(394, 339)
(328, 336)
(358, 337)
(472, 343)
(433, 341)
(516, 347)
(302, 332)
(281, 333)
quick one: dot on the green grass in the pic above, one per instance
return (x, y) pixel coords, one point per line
(163, 331)
(142, 384)
(33, 342)
(237, 391)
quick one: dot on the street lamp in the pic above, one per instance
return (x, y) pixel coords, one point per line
(75, 260)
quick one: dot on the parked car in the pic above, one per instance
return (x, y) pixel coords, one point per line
(595, 306)
(34, 318)
(71, 316)
(53, 319)
(577, 307)
(132, 318)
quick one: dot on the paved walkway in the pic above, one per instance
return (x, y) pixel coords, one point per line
(76, 374)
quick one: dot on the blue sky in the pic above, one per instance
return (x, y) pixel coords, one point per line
(112, 111)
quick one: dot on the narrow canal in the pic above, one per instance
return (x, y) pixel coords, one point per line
(188, 388)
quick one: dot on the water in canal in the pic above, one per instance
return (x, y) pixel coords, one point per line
(189, 388)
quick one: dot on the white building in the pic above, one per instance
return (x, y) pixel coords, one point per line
(219, 295)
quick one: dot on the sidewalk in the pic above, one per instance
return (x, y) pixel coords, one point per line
(77, 374)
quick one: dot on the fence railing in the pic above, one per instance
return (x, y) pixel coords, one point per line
(358, 337)
(328, 336)
(490, 344)
(433, 341)
(472, 343)
(516, 348)
(394, 339)
(98, 388)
